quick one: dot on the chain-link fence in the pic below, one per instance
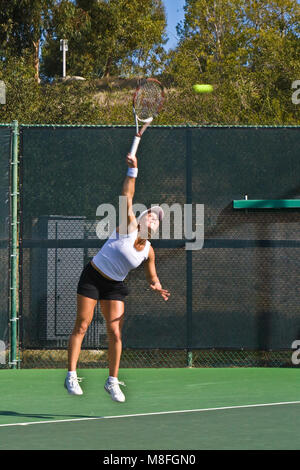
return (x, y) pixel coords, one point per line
(5, 139)
(233, 303)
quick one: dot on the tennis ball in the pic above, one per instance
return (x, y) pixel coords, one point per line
(203, 88)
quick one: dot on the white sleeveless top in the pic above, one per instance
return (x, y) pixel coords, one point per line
(118, 255)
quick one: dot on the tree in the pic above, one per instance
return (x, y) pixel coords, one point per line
(247, 49)
(22, 25)
(106, 37)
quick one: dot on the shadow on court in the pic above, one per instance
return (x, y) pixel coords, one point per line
(42, 416)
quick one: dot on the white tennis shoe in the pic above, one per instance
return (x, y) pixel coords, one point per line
(72, 385)
(114, 390)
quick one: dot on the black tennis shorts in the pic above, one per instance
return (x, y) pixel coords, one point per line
(95, 286)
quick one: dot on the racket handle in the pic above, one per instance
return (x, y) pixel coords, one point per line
(135, 144)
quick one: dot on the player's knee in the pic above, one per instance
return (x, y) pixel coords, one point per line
(114, 334)
(81, 327)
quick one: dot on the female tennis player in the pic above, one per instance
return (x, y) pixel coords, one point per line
(102, 279)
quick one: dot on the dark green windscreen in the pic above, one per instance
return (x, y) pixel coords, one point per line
(239, 291)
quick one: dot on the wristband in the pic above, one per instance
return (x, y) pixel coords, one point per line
(132, 172)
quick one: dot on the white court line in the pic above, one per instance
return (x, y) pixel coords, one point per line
(153, 414)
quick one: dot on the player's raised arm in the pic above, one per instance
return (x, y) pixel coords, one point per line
(128, 191)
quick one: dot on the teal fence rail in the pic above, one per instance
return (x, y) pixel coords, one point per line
(8, 270)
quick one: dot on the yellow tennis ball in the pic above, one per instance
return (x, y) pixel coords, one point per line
(203, 88)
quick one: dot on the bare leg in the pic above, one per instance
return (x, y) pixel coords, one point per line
(85, 313)
(113, 312)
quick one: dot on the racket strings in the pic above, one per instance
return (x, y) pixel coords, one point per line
(148, 100)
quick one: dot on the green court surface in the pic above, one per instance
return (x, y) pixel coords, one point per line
(165, 409)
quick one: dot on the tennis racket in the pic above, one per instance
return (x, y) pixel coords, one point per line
(147, 103)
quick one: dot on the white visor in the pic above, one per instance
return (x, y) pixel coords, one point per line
(156, 209)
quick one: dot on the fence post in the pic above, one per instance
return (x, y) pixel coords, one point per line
(189, 266)
(14, 246)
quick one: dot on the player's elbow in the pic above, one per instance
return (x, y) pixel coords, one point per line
(129, 197)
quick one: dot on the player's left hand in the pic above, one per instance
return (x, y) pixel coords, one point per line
(158, 288)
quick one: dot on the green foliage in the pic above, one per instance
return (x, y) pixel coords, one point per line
(21, 89)
(106, 38)
(22, 26)
(248, 50)
(30, 102)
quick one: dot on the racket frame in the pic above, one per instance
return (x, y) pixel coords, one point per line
(147, 122)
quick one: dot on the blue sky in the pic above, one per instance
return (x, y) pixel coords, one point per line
(175, 13)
